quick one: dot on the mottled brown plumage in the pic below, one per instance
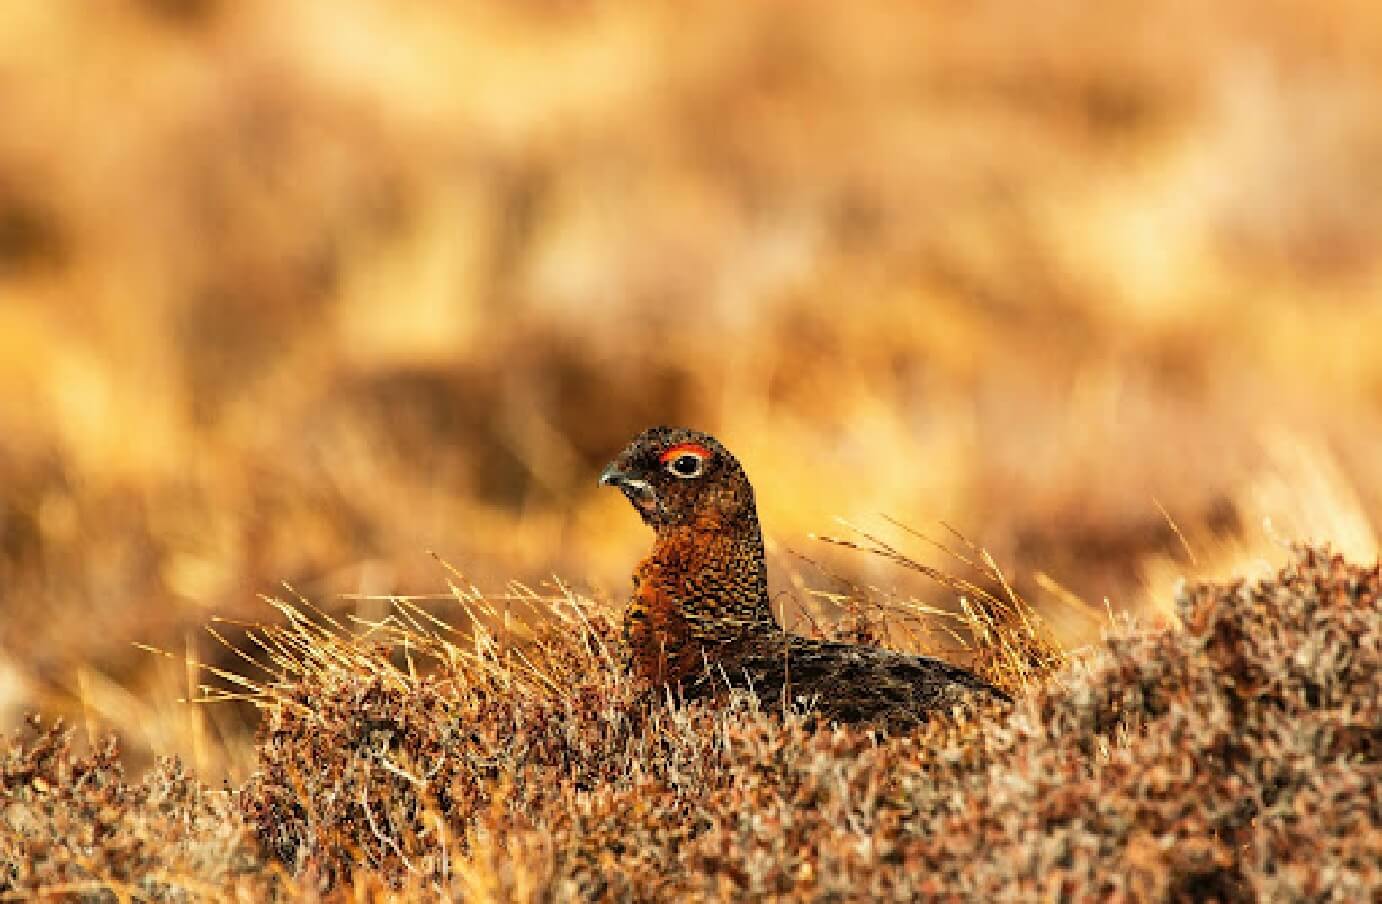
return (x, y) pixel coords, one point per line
(700, 621)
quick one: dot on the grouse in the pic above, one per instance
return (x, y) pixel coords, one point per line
(700, 622)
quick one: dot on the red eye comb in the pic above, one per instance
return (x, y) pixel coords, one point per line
(695, 449)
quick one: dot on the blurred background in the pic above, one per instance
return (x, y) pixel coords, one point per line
(303, 291)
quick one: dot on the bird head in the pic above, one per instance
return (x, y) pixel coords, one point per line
(679, 477)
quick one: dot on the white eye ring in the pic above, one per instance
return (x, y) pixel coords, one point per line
(687, 465)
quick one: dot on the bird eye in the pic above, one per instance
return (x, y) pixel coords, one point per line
(686, 465)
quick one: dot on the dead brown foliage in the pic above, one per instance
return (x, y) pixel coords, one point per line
(1235, 759)
(73, 826)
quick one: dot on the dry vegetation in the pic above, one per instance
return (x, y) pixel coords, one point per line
(301, 291)
(1236, 759)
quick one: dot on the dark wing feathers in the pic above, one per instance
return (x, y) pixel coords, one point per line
(849, 683)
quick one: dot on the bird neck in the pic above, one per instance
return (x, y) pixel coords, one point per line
(720, 576)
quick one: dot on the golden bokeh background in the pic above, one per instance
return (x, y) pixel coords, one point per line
(302, 291)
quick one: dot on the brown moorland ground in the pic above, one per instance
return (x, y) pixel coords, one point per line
(1234, 759)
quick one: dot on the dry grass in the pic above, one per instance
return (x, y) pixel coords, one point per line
(1233, 759)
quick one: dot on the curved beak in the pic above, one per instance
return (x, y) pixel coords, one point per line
(636, 489)
(614, 476)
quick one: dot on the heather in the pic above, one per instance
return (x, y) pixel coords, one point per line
(1233, 758)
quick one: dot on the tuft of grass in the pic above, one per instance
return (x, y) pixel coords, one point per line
(1005, 637)
(381, 742)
